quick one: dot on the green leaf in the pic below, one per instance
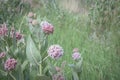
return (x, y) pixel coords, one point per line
(78, 66)
(75, 75)
(23, 66)
(52, 69)
(42, 78)
(32, 52)
(3, 73)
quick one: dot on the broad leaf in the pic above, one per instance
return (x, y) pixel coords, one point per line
(32, 52)
(78, 66)
(23, 66)
(43, 78)
(75, 75)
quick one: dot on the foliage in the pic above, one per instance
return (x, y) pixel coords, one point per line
(10, 9)
(105, 14)
(100, 55)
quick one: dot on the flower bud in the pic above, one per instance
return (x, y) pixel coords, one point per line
(47, 27)
(34, 22)
(2, 54)
(55, 51)
(10, 64)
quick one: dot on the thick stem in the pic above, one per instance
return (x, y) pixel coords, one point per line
(44, 59)
(12, 76)
(40, 65)
(40, 68)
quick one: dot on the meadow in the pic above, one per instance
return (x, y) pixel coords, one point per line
(100, 50)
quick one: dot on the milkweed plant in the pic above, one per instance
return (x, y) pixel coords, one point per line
(26, 56)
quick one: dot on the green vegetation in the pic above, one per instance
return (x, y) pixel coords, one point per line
(100, 49)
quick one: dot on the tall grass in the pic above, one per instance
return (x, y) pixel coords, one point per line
(101, 56)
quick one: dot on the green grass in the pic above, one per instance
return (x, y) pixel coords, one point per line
(101, 57)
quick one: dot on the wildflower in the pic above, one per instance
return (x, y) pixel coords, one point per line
(34, 22)
(30, 14)
(2, 54)
(3, 30)
(10, 64)
(76, 56)
(55, 51)
(58, 77)
(47, 27)
(75, 50)
(17, 35)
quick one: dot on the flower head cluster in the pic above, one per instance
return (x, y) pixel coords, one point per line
(2, 54)
(31, 18)
(17, 35)
(55, 51)
(10, 64)
(58, 77)
(47, 27)
(3, 30)
(76, 55)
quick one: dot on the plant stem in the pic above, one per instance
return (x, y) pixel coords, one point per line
(44, 59)
(40, 68)
(12, 76)
(40, 65)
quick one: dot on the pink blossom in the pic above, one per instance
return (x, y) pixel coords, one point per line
(47, 27)
(2, 54)
(10, 64)
(58, 77)
(17, 35)
(75, 50)
(3, 30)
(76, 56)
(55, 51)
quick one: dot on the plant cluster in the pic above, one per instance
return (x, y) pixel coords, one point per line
(28, 56)
(105, 14)
(10, 9)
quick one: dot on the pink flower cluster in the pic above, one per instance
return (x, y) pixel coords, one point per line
(55, 51)
(17, 35)
(10, 64)
(47, 27)
(76, 55)
(2, 54)
(58, 77)
(3, 30)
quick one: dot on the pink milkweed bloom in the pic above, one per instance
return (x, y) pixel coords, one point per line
(76, 56)
(55, 51)
(47, 27)
(10, 64)
(58, 77)
(3, 30)
(2, 54)
(18, 35)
